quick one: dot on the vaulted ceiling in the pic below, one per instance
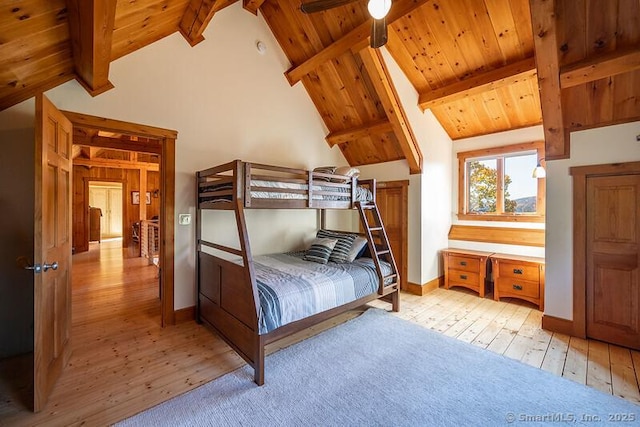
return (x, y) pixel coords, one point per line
(481, 66)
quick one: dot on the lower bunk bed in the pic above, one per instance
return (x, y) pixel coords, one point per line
(293, 294)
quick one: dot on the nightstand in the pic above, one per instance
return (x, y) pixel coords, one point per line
(465, 268)
(518, 277)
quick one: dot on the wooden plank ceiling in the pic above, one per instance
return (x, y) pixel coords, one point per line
(472, 62)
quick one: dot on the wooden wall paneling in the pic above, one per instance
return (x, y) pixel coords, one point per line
(145, 31)
(626, 95)
(504, 235)
(404, 50)
(503, 21)
(571, 32)
(46, 74)
(294, 31)
(153, 184)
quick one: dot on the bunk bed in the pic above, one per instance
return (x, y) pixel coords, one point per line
(251, 302)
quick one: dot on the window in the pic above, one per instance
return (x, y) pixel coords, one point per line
(496, 184)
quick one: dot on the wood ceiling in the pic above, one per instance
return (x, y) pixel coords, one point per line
(481, 66)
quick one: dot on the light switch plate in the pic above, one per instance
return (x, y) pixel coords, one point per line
(184, 219)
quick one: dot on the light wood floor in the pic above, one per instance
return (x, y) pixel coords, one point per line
(123, 362)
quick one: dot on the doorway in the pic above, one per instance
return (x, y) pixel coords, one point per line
(105, 210)
(151, 140)
(607, 253)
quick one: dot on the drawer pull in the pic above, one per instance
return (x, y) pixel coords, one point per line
(463, 276)
(463, 263)
(517, 287)
(517, 271)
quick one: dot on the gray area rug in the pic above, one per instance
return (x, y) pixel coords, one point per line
(378, 369)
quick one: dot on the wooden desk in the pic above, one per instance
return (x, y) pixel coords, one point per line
(465, 268)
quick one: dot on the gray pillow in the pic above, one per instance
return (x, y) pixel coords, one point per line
(320, 250)
(356, 248)
(340, 252)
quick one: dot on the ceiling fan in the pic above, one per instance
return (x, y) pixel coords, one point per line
(378, 10)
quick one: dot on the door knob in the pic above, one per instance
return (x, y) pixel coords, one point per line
(36, 268)
(52, 266)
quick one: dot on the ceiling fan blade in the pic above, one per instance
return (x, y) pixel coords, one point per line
(378, 32)
(320, 5)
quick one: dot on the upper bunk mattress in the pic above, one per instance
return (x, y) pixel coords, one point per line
(340, 194)
(291, 288)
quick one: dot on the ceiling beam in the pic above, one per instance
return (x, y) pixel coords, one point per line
(252, 5)
(117, 126)
(543, 20)
(491, 80)
(398, 9)
(153, 147)
(115, 164)
(383, 85)
(197, 16)
(370, 129)
(91, 25)
(600, 67)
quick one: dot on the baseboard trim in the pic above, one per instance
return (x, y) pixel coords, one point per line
(186, 314)
(415, 289)
(557, 324)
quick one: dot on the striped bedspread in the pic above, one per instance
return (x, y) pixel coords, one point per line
(291, 288)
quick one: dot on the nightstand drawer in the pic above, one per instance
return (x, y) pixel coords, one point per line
(519, 271)
(513, 287)
(464, 277)
(464, 263)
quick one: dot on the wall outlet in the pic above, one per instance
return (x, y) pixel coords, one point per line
(184, 219)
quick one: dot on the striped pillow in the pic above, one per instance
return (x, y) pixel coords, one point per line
(340, 252)
(320, 250)
(324, 169)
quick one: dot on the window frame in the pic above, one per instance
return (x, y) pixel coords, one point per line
(500, 153)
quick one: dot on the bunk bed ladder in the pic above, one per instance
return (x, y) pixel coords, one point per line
(378, 243)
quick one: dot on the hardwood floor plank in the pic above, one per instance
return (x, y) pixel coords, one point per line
(575, 367)
(495, 326)
(623, 374)
(599, 366)
(556, 354)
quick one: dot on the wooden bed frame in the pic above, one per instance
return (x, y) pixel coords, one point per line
(228, 299)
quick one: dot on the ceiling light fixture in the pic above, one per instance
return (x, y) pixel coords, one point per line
(379, 8)
(539, 171)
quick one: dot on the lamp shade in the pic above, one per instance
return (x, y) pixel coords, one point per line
(379, 8)
(539, 172)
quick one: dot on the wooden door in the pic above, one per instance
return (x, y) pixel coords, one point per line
(52, 248)
(392, 200)
(612, 255)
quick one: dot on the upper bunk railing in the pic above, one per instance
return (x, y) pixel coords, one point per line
(274, 187)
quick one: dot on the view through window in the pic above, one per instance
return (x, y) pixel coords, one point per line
(498, 182)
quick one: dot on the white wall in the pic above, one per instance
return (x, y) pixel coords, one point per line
(227, 102)
(612, 144)
(534, 133)
(429, 192)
